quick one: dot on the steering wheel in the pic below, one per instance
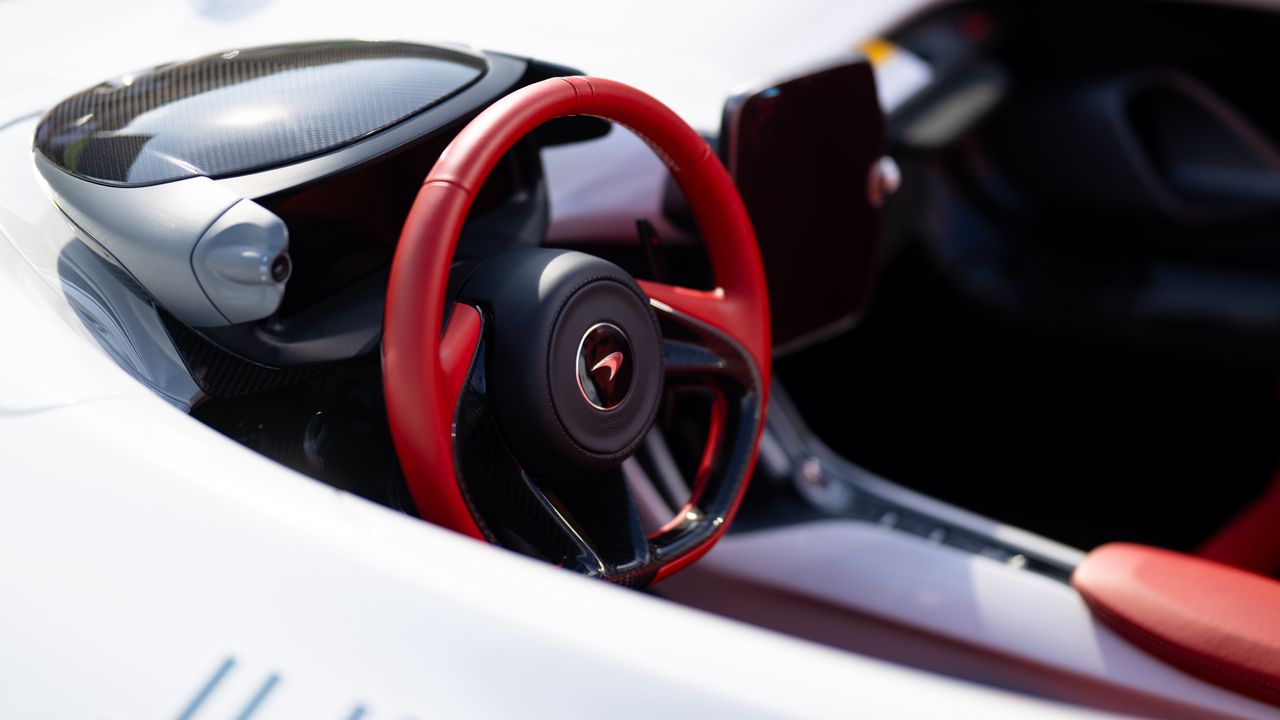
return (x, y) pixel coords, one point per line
(512, 422)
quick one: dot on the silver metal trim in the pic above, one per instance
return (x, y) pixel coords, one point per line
(834, 485)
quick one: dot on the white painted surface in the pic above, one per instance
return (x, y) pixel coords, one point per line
(691, 56)
(140, 550)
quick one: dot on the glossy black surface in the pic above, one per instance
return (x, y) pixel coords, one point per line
(247, 110)
(801, 152)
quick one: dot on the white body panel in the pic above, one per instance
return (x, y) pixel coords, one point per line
(138, 563)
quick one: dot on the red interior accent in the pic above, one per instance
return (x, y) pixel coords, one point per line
(730, 312)
(1252, 540)
(1219, 623)
(420, 400)
(457, 348)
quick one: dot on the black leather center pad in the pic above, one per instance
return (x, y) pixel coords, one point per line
(542, 304)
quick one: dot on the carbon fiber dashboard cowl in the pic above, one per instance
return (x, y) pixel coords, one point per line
(248, 110)
(216, 184)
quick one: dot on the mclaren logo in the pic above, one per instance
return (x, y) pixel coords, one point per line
(611, 362)
(604, 371)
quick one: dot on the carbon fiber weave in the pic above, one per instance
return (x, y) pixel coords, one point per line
(245, 110)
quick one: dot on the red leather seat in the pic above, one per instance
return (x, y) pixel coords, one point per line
(1250, 541)
(1217, 622)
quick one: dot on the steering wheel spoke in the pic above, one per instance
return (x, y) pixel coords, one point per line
(696, 354)
(600, 509)
(588, 523)
(511, 509)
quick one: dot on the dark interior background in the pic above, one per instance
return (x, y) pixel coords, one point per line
(1044, 402)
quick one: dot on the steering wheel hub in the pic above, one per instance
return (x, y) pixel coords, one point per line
(576, 362)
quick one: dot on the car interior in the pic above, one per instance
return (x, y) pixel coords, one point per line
(1023, 304)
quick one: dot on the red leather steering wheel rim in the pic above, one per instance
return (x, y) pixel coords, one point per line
(423, 368)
